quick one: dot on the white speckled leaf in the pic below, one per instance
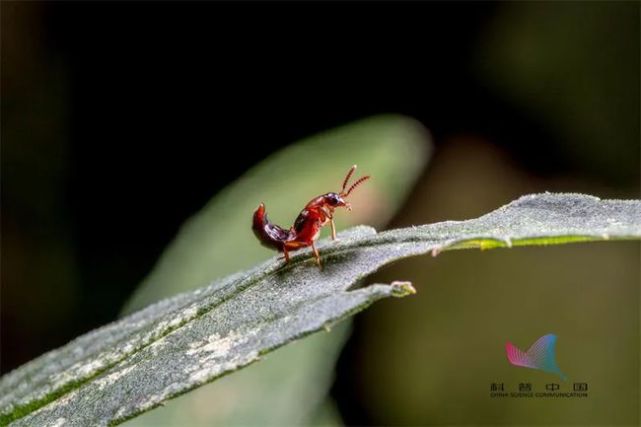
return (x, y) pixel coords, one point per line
(133, 365)
(217, 241)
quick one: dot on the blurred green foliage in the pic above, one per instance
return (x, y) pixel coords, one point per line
(472, 303)
(575, 67)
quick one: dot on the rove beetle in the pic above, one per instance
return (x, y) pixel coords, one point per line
(306, 229)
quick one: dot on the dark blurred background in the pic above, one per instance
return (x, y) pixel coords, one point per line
(120, 120)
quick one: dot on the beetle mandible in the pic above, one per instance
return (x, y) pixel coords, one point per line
(306, 229)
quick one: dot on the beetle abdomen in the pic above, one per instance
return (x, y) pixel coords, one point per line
(270, 235)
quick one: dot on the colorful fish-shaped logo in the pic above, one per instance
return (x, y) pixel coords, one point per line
(541, 355)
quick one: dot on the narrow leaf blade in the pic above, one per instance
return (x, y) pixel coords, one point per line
(133, 365)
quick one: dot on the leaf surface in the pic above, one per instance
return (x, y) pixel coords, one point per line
(133, 365)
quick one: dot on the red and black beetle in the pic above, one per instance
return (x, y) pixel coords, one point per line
(306, 229)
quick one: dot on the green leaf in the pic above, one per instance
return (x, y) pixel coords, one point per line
(217, 241)
(262, 394)
(135, 364)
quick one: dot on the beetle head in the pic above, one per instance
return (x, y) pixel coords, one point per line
(335, 200)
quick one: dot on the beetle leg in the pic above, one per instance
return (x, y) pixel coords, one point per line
(286, 253)
(316, 254)
(329, 216)
(331, 223)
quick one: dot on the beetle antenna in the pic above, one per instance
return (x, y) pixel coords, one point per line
(356, 184)
(349, 175)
